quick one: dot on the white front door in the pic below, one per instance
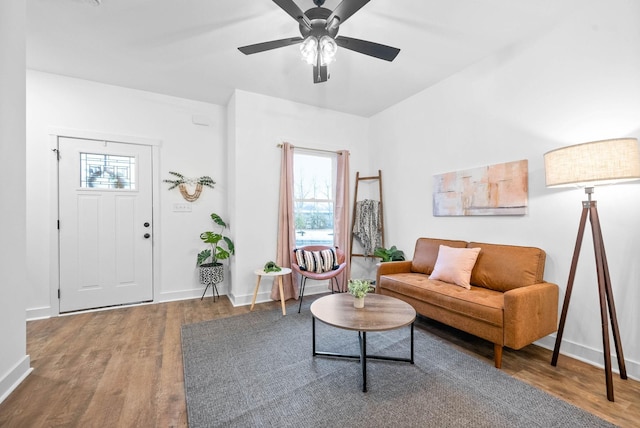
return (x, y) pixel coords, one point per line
(105, 223)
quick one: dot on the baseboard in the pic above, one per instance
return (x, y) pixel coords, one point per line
(173, 296)
(14, 377)
(588, 355)
(39, 313)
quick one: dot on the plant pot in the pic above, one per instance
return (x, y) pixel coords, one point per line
(211, 273)
(358, 302)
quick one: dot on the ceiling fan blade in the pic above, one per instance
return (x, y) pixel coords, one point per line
(320, 73)
(345, 9)
(266, 46)
(296, 13)
(375, 50)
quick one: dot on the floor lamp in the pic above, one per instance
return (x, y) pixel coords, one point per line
(590, 164)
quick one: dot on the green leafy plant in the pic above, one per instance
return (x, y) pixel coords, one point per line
(359, 287)
(389, 255)
(271, 267)
(221, 247)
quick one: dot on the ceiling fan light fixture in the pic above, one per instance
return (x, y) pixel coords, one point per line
(309, 50)
(328, 49)
(319, 28)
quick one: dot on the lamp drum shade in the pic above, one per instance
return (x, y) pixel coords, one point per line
(597, 162)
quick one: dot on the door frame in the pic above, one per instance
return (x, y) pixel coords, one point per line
(155, 144)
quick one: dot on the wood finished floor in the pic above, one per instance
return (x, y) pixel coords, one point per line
(123, 368)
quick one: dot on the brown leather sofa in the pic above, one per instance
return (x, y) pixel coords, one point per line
(508, 304)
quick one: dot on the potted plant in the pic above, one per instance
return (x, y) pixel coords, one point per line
(220, 248)
(271, 267)
(359, 289)
(389, 255)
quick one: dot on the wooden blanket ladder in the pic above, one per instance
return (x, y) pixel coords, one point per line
(377, 178)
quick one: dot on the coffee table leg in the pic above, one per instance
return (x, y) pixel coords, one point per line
(363, 358)
(362, 339)
(313, 336)
(412, 342)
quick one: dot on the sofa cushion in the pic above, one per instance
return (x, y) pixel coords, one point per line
(426, 253)
(454, 265)
(478, 303)
(505, 267)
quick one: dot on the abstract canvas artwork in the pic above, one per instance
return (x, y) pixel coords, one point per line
(500, 189)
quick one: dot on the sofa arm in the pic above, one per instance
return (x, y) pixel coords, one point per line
(530, 313)
(387, 268)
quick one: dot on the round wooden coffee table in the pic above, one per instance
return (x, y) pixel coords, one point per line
(380, 313)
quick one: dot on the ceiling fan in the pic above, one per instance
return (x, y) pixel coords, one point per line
(319, 27)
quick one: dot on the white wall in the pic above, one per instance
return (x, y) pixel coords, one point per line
(578, 82)
(261, 123)
(56, 102)
(14, 363)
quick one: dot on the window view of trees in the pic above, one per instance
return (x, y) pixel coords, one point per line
(313, 199)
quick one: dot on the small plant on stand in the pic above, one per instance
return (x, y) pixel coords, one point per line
(215, 240)
(359, 289)
(220, 248)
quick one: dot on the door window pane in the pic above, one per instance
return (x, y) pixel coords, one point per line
(103, 171)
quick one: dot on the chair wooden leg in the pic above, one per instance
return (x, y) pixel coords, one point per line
(497, 355)
(303, 281)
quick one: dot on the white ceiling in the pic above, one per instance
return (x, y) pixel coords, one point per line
(188, 48)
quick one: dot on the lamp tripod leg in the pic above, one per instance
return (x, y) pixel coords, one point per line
(567, 294)
(614, 324)
(612, 310)
(605, 293)
(600, 268)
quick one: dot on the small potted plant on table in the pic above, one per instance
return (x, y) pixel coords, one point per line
(359, 289)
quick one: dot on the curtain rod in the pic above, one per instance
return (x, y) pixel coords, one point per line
(310, 149)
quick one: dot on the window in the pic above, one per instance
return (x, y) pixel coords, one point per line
(107, 171)
(313, 194)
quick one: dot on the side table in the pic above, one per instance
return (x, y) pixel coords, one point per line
(260, 273)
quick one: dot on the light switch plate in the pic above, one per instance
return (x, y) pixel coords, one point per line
(182, 207)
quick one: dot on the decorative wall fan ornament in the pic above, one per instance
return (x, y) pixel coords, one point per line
(181, 183)
(319, 29)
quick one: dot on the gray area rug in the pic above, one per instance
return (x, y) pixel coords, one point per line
(256, 370)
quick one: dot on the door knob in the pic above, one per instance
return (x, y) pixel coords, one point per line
(146, 235)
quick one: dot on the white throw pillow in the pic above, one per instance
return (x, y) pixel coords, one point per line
(454, 265)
